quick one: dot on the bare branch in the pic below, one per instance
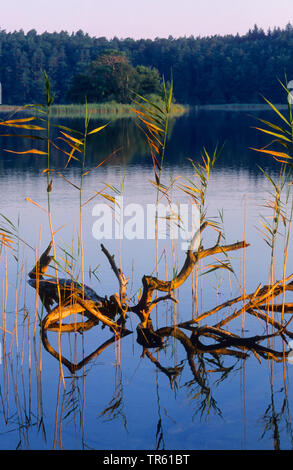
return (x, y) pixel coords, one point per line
(119, 274)
(42, 264)
(150, 284)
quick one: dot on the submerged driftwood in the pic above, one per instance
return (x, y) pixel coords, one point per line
(64, 297)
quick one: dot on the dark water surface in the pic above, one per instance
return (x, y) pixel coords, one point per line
(119, 399)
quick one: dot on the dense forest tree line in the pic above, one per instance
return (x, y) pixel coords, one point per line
(215, 69)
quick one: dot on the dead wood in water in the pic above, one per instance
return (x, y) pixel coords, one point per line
(114, 311)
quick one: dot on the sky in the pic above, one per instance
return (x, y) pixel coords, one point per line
(145, 18)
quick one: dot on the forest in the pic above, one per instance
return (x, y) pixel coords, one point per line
(205, 70)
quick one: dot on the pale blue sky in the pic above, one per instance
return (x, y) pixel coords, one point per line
(145, 19)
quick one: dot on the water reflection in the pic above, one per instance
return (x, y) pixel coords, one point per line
(195, 376)
(186, 139)
(177, 384)
(274, 420)
(201, 352)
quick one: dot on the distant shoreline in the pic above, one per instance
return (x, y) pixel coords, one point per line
(238, 107)
(97, 110)
(117, 110)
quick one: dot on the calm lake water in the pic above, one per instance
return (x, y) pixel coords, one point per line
(119, 399)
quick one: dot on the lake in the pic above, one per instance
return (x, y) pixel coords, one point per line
(119, 398)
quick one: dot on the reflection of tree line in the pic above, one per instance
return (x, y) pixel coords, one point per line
(187, 135)
(200, 129)
(122, 135)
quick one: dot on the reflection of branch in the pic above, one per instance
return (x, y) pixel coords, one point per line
(171, 372)
(272, 420)
(228, 340)
(115, 406)
(190, 351)
(75, 367)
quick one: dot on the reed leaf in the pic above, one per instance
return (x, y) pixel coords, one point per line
(274, 126)
(17, 121)
(273, 153)
(74, 139)
(31, 151)
(97, 129)
(277, 111)
(23, 126)
(23, 136)
(36, 204)
(280, 136)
